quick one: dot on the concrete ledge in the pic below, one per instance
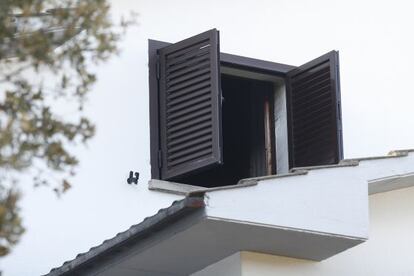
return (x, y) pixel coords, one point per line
(186, 190)
(173, 187)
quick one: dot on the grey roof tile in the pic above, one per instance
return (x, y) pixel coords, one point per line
(161, 219)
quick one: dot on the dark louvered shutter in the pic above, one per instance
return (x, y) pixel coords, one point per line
(315, 128)
(190, 105)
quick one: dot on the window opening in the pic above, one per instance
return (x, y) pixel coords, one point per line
(217, 118)
(248, 123)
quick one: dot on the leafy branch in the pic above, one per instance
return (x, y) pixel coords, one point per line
(44, 44)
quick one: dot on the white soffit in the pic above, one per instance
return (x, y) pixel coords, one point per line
(386, 184)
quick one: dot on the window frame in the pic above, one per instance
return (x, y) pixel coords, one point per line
(226, 60)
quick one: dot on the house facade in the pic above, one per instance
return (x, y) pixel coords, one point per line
(315, 220)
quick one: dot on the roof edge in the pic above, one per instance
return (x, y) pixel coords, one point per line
(153, 223)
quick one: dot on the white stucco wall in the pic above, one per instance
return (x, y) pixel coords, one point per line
(372, 37)
(230, 266)
(330, 201)
(387, 252)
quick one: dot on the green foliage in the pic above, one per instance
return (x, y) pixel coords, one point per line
(47, 50)
(10, 222)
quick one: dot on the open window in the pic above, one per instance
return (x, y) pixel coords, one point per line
(217, 118)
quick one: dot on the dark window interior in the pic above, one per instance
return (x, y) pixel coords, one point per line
(245, 103)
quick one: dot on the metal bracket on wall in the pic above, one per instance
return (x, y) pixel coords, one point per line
(131, 179)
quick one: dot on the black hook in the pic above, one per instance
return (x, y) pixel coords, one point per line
(131, 179)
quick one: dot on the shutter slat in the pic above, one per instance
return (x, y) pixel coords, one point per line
(196, 73)
(183, 72)
(189, 151)
(189, 117)
(183, 112)
(190, 47)
(312, 88)
(189, 83)
(315, 115)
(189, 90)
(187, 56)
(202, 154)
(310, 76)
(315, 129)
(204, 138)
(322, 144)
(203, 118)
(308, 154)
(190, 105)
(310, 111)
(317, 92)
(307, 129)
(188, 63)
(181, 137)
(319, 99)
(315, 79)
(197, 93)
(311, 136)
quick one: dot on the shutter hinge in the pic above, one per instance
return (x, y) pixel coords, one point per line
(157, 69)
(160, 159)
